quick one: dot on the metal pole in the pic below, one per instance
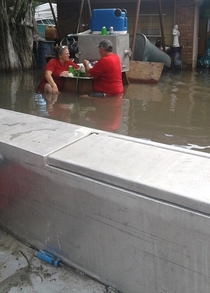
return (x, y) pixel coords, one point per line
(80, 15)
(175, 4)
(55, 20)
(135, 27)
(161, 25)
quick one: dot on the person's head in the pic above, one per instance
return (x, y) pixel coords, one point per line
(105, 47)
(62, 53)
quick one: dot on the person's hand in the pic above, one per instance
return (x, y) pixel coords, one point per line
(55, 89)
(86, 63)
(64, 74)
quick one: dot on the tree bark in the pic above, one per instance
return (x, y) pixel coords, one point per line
(16, 35)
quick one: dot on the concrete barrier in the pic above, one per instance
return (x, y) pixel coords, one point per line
(130, 213)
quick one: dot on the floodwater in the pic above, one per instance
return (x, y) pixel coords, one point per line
(176, 111)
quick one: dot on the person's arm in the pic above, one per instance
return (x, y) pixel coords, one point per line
(87, 67)
(50, 80)
(66, 73)
(74, 65)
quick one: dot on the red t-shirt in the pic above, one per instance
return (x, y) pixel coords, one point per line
(56, 67)
(107, 75)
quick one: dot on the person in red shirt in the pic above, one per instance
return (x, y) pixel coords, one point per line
(106, 73)
(52, 81)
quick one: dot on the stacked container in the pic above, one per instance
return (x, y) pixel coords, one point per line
(111, 17)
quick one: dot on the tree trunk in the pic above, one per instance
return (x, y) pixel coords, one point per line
(16, 35)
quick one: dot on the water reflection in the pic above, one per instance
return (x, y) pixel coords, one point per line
(41, 105)
(103, 114)
(47, 106)
(175, 111)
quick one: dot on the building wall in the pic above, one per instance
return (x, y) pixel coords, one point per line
(184, 17)
(149, 20)
(68, 12)
(174, 12)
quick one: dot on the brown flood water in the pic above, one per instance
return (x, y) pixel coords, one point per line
(176, 111)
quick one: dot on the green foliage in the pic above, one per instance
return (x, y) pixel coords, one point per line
(22, 11)
(78, 73)
(36, 3)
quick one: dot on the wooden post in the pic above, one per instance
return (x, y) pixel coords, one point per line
(55, 20)
(195, 37)
(89, 7)
(135, 27)
(161, 25)
(80, 15)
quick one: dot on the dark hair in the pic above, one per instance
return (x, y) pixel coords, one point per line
(59, 50)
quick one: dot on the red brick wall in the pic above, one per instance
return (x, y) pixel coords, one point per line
(184, 17)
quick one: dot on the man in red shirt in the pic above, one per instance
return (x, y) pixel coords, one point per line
(106, 72)
(52, 81)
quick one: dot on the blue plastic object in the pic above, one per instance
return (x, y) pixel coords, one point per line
(48, 257)
(44, 48)
(111, 17)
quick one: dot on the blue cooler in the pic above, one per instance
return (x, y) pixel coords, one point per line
(111, 17)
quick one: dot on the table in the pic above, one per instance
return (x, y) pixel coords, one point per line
(83, 85)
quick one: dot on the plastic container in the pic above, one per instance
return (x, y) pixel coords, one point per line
(144, 50)
(111, 17)
(45, 48)
(70, 69)
(111, 30)
(42, 24)
(51, 33)
(104, 30)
